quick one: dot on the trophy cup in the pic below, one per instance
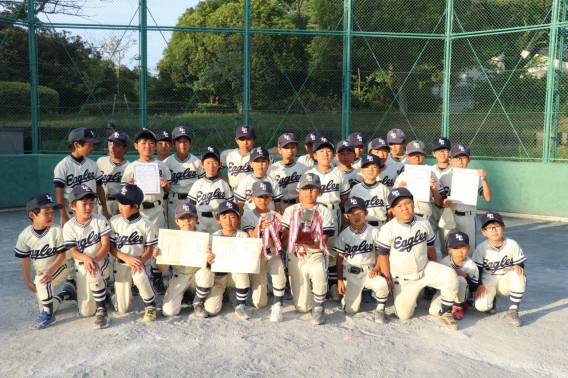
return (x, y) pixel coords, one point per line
(305, 235)
(268, 217)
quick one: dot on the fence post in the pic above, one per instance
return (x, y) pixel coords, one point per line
(558, 89)
(34, 79)
(550, 80)
(143, 74)
(447, 68)
(347, 43)
(246, 66)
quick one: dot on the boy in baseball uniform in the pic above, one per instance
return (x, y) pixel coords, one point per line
(346, 156)
(112, 168)
(466, 270)
(259, 161)
(209, 191)
(237, 160)
(228, 217)
(42, 243)
(397, 141)
(357, 249)
(307, 264)
(132, 239)
(358, 141)
(409, 263)
(380, 148)
(163, 144)
(256, 223)
(152, 204)
(309, 159)
(185, 170)
(441, 150)
(86, 236)
(464, 215)
(501, 263)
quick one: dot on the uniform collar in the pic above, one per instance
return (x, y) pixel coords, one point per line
(40, 233)
(117, 164)
(358, 232)
(211, 179)
(146, 161)
(289, 165)
(497, 249)
(407, 224)
(368, 187)
(133, 218)
(183, 161)
(83, 225)
(77, 161)
(324, 173)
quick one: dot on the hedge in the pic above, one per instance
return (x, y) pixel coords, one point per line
(15, 98)
(154, 107)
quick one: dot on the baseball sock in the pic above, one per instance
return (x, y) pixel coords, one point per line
(242, 295)
(149, 302)
(331, 276)
(381, 303)
(446, 306)
(318, 300)
(100, 296)
(63, 296)
(278, 295)
(48, 306)
(200, 294)
(515, 300)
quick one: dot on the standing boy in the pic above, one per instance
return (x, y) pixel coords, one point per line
(397, 141)
(381, 149)
(358, 141)
(441, 151)
(309, 159)
(163, 144)
(345, 156)
(112, 168)
(237, 160)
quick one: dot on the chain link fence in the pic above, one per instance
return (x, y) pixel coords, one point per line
(490, 74)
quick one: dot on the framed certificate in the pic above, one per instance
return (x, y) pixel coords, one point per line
(465, 186)
(236, 255)
(418, 181)
(147, 177)
(183, 248)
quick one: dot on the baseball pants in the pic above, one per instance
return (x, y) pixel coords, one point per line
(307, 277)
(500, 286)
(123, 278)
(87, 283)
(354, 285)
(434, 275)
(206, 224)
(180, 282)
(45, 291)
(156, 216)
(442, 233)
(214, 300)
(468, 224)
(463, 291)
(259, 282)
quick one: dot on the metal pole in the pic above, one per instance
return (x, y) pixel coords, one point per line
(447, 69)
(347, 48)
(34, 77)
(143, 74)
(558, 90)
(549, 107)
(246, 66)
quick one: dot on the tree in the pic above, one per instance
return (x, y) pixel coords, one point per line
(11, 9)
(114, 48)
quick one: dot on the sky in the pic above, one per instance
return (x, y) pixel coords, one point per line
(120, 12)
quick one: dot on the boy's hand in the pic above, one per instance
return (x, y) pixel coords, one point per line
(131, 181)
(91, 265)
(373, 273)
(480, 292)
(447, 203)
(31, 286)
(45, 276)
(460, 273)
(517, 269)
(132, 262)
(264, 224)
(402, 184)
(165, 184)
(136, 269)
(433, 183)
(210, 258)
(156, 252)
(482, 174)
(341, 287)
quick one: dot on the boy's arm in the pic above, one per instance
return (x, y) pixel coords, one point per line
(60, 198)
(147, 254)
(47, 273)
(241, 207)
(344, 198)
(26, 269)
(486, 188)
(105, 247)
(102, 199)
(384, 265)
(278, 207)
(340, 283)
(432, 256)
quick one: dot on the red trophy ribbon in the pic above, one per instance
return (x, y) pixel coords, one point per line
(272, 232)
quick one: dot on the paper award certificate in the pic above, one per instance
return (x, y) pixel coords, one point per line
(465, 186)
(147, 177)
(418, 181)
(183, 248)
(236, 255)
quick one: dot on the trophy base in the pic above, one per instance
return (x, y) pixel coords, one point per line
(305, 238)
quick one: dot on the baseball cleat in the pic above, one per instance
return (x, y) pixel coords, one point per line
(317, 316)
(187, 300)
(159, 286)
(241, 311)
(334, 294)
(44, 321)
(276, 314)
(150, 314)
(200, 311)
(457, 312)
(69, 287)
(380, 316)
(449, 321)
(513, 318)
(101, 319)
(366, 296)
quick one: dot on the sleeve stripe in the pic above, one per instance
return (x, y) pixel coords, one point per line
(58, 180)
(246, 228)
(151, 243)
(238, 196)
(285, 225)
(329, 228)
(21, 253)
(106, 232)
(432, 240)
(382, 245)
(520, 261)
(99, 178)
(201, 175)
(345, 192)
(478, 264)
(338, 250)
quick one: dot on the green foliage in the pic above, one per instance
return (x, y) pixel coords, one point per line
(15, 98)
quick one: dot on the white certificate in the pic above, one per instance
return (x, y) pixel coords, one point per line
(236, 255)
(183, 248)
(465, 185)
(418, 181)
(147, 177)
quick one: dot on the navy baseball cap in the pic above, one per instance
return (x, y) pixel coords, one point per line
(79, 192)
(286, 138)
(227, 206)
(245, 131)
(357, 139)
(163, 135)
(457, 238)
(145, 132)
(396, 136)
(210, 151)
(460, 149)
(185, 209)
(42, 201)
(377, 144)
(323, 142)
(489, 217)
(354, 203)
(129, 194)
(261, 188)
(119, 137)
(397, 193)
(416, 146)
(181, 131)
(309, 179)
(440, 143)
(345, 144)
(82, 133)
(371, 159)
(259, 152)
(313, 136)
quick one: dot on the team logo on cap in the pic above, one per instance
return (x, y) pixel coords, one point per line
(185, 208)
(441, 141)
(382, 141)
(345, 143)
(229, 205)
(123, 190)
(461, 148)
(312, 137)
(395, 192)
(211, 149)
(49, 198)
(90, 132)
(353, 201)
(393, 134)
(116, 135)
(286, 136)
(86, 188)
(359, 138)
(263, 186)
(182, 130)
(490, 216)
(244, 130)
(259, 150)
(369, 158)
(459, 237)
(323, 139)
(309, 177)
(416, 145)
(166, 134)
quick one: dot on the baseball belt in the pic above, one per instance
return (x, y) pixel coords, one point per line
(462, 213)
(207, 214)
(291, 201)
(179, 196)
(355, 269)
(150, 205)
(110, 197)
(373, 223)
(330, 206)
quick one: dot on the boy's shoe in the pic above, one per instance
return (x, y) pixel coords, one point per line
(317, 316)
(159, 286)
(150, 314)
(69, 287)
(241, 311)
(276, 314)
(513, 318)
(449, 321)
(429, 292)
(187, 300)
(226, 296)
(135, 291)
(334, 294)
(493, 309)
(44, 321)
(200, 311)
(366, 296)
(287, 295)
(101, 319)
(457, 312)
(465, 306)
(380, 316)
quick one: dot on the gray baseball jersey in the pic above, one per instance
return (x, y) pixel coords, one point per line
(327, 219)
(69, 173)
(334, 184)
(376, 199)
(356, 163)
(237, 165)
(446, 190)
(310, 163)
(498, 260)
(468, 267)
(244, 190)
(207, 193)
(388, 175)
(359, 248)
(287, 176)
(184, 173)
(111, 174)
(86, 237)
(42, 248)
(399, 162)
(164, 174)
(354, 176)
(132, 236)
(249, 221)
